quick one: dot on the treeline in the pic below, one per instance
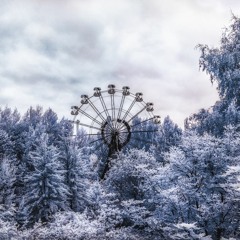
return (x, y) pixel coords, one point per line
(183, 186)
(44, 171)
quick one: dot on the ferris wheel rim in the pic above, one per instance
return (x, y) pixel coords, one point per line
(117, 90)
(142, 103)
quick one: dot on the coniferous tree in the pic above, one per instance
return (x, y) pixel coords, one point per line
(78, 174)
(46, 192)
(9, 120)
(168, 135)
(33, 116)
(144, 134)
(5, 144)
(7, 182)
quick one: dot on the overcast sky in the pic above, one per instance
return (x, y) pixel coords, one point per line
(51, 52)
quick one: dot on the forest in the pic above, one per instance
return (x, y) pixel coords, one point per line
(184, 186)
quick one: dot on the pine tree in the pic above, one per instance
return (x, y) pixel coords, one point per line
(46, 192)
(7, 179)
(5, 144)
(168, 135)
(78, 174)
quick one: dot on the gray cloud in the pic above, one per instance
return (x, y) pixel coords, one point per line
(53, 51)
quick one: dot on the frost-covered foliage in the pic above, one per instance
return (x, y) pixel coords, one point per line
(198, 166)
(161, 136)
(78, 174)
(215, 119)
(46, 192)
(169, 135)
(184, 186)
(7, 180)
(8, 230)
(67, 225)
(222, 64)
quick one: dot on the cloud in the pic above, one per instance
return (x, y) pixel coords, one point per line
(51, 52)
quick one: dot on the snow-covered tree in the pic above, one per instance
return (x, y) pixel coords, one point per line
(33, 116)
(46, 192)
(197, 168)
(5, 144)
(7, 180)
(67, 225)
(169, 135)
(78, 173)
(8, 230)
(128, 180)
(222, 64)
(172, 133)
(143, 134)
(9, 119)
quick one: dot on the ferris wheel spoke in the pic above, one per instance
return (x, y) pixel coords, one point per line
(129, 109)
(96, 110)
(85, 125)
(140, 131)
(121, 126)
(108, 117)
(125, 130)
(121, 106)
(104, 106)
(113, 106)
(142, 122)
(107, 134)
(89, 116)
(137, 114)
(122, 139)
(91, 134)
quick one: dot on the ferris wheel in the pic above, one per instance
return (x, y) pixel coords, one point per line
(110, 116)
